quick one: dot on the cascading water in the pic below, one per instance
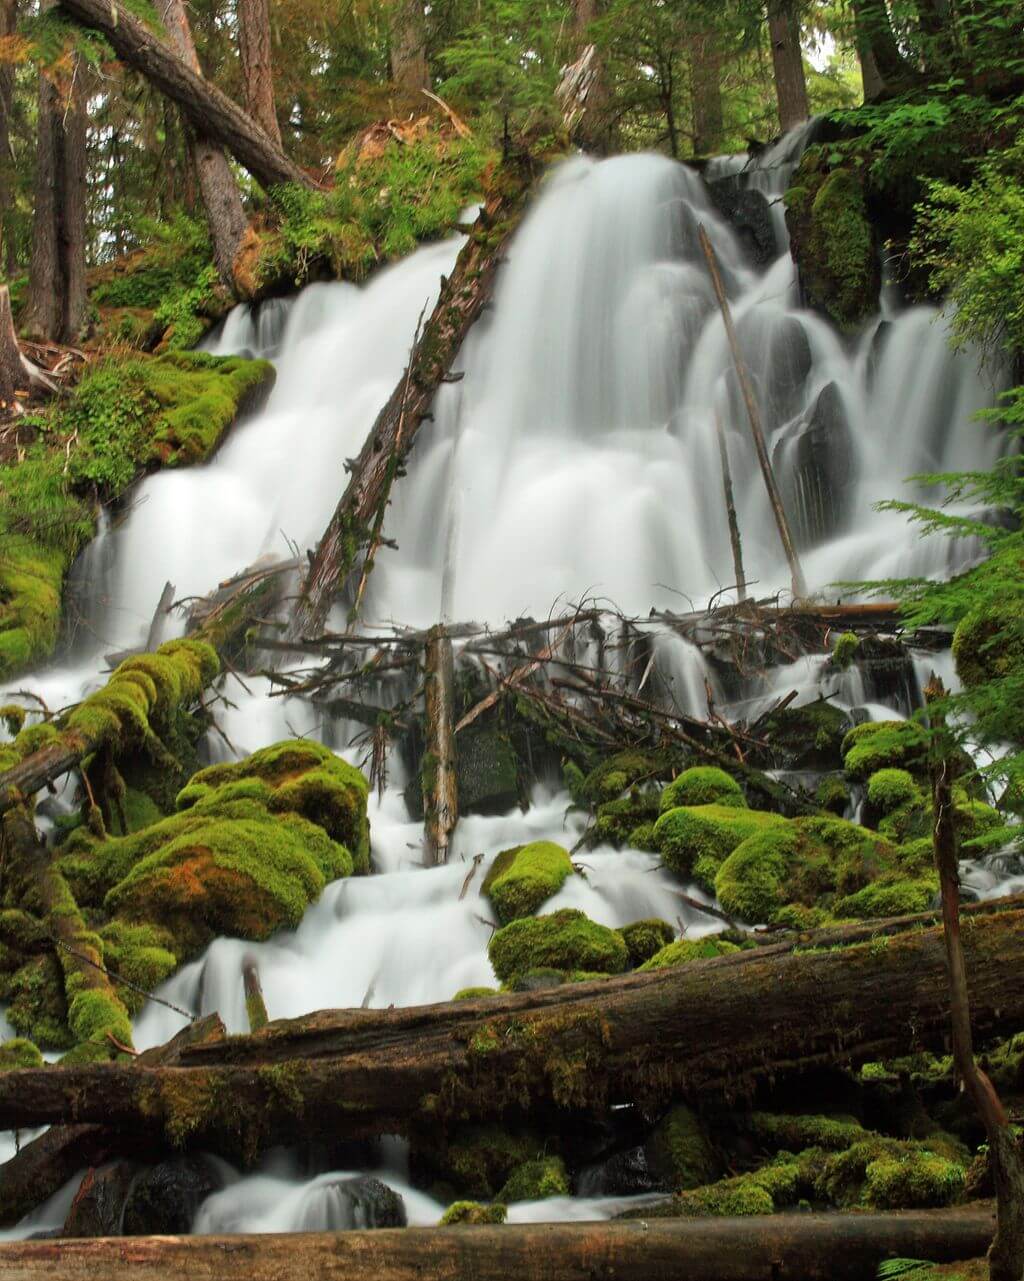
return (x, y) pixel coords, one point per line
(576, 458)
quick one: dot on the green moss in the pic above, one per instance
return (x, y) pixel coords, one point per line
(844, 650)
(521, 879)
(833, 794)
(479, 1159)
(536, 1180)
(807, 737)
(694, 841)
(682, 951)
(894, 1174)
(18, 1052)
(139, 953)
(679, 1152)
(878, 745)
(617, 820)
(702, 785)
(644, 938)
(472, 993)
(793, 1133)
(988, 646)
(12, 717)
(625, 769)
(891, 895)
(888, 789)
(643, 838)
(95, 1015)
(565, 940)
(474, 1212)
(38, 1007)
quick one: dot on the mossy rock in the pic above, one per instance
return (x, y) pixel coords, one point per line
(142, 954)
(617, 820)
(643, 838)
(702, 785)
(894, 1174)
(19, 1052)
(833, 794)
(679, 1153)
(695, 840)
(989, 646)
(682, 951)
(566, 940)
(479, 1159)
(773, 1187)
(889, 789)
(474, 1212)
(792, 1133)
(878, 745)
(890, 895)
(474, 993)
(38, 1006)
(832, 240)
(522, 878)
(625, 769)
(536, 1181)
(644, 938)
(808, 737)
(807, 860)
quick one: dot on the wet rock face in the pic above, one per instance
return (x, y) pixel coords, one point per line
(816, 464)
(164, 1198)
(622, 1174)
(96, 1209)
(361, 1202)
(749, 215)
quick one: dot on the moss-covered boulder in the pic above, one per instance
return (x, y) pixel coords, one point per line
(808, 861)
(644, 938)
(679, 1153)
(19, 1052)
(474, 1212)
(478, 1160)
(618, 820)
(878, 745)
(702, 785)
(694, 841)
(38, 1006)
(566, 941)
(808, 737)
(682, 951)
(894, 1174)
(833, 794)
(988, 646)
(522, 878)
(474, 993)
(142, 954)
(832, 239)
(779, 1131)
(536, 1181)
(893, 894)
(625, 769)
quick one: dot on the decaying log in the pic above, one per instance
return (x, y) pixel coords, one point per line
(716, 1026)
(255, 1004)
(43, 1166)
(212, 112)
(799, 1247)
(393, 435)
(440, 783)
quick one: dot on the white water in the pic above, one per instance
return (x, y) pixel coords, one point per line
(576, 458)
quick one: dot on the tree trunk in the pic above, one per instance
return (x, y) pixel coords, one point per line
(592, 130)
(879, 53)
(8, 22)
(13, 376)
(43, 1166)
(706, 95)
(1006, 1156)
(211, 112)
(788, 61)
(409, 68)
(222, 200)
(257, 65)
(440, 785)
(698, 1029)
(803, 1247)
(392, 436)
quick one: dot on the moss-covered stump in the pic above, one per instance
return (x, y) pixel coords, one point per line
(808, 861)
(124, 419)
(253, 845)
(694, 841)
(644, 938)
(566, 941)
(679, 1153)
(536, 1181)
(878, 745)
(832, 239)
(474, 1212)
(522, 878)
(702, 785)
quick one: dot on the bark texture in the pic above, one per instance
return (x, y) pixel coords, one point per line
(392, 436)
(788, 63)
(801, 1247)
(644, 1038)
(706, 95)
(257, 65)
(409, 68)
(440, 784)
(12, 371)
(8, 21)
(211, 112)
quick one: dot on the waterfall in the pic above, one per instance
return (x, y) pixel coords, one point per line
(576, 458)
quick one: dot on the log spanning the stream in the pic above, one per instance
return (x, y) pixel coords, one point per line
(800, 1247)
(716, 1026)
(462, 299)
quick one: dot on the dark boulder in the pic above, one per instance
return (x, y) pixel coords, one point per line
(344, 1204)
(749, 214)
(816, 463)
(163, 1199)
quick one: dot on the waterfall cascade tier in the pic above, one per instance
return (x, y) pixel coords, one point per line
(576, 459)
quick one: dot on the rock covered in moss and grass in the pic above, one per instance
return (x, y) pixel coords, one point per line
(624, 770)
(702, 785)
(878, 745)
(566, 941)
(474, 1212)
(536, 1181)
(680, 1154)
(644, 938)
(474, 993)
(522, 878)
(988, 646)
(478, 1159)
(808, 737)
(616, 821)
(894, 1174)
(682, 951)
(142, 954)
(19, 1052)
(694, 841)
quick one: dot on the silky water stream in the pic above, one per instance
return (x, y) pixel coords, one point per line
(576, 458)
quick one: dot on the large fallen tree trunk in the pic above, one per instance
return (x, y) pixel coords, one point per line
(716, 1026)
(212, 112)
(380, 460)
(799, 1247)
(42, 1167)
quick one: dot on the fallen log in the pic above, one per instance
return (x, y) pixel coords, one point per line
(43, 1166)
(717, 1026)
(461, 300)
(799, 1247)
(212, 112)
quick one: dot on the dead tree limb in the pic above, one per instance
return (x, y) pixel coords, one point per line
(212, 112)
(461, 301)
(440, 784)
(803, 1247)
(644, 1038)
(730, 512)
